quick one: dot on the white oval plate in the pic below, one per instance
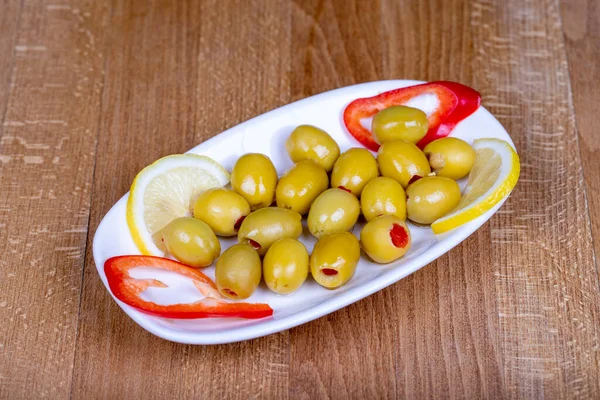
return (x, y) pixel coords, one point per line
(266, 134)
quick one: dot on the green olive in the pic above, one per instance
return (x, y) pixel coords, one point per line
(308, 142)
(335, 210)
(334, 259)
(383, 196)
(385, 239)
(402, 161)
(450, 157)
(264, 227)
(238, 272)
(254, 177)
(431, 198)
(353, 169)
(400, 122)
(223, 210)
(191, 241)
(300, 186)
(285, 266)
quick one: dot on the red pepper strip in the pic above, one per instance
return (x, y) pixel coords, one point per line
(455, 103)
(128, 289)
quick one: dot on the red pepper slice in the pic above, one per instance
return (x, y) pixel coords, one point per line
(128, 289)
(455, 103)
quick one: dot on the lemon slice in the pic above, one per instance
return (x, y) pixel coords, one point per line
(494, 174)
(165, 190)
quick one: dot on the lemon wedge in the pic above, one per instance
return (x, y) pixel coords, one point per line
(165, 190)
(493, 176)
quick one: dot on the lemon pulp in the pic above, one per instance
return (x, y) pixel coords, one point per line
(165, 190)
(493, 176)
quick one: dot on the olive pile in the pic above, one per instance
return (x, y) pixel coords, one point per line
(332, 189)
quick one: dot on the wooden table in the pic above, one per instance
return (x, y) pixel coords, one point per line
(92, 91)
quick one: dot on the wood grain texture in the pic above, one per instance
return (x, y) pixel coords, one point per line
(91, 92)
(47, 152)
(9, 25)
(581, 24)
(546, 285)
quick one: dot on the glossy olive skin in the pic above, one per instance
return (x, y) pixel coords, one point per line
(401, 161)
(308, 142)
(285, 266)
(300, 186)
(383, 196)
(385, 239)
(238, 272)
(254, 177)
(334, 259)
(450, 157)
(264, 227)
(191, 241)
(431, 198)
(335, 210)
(353, 169)
(400, 123)
(222, 210)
